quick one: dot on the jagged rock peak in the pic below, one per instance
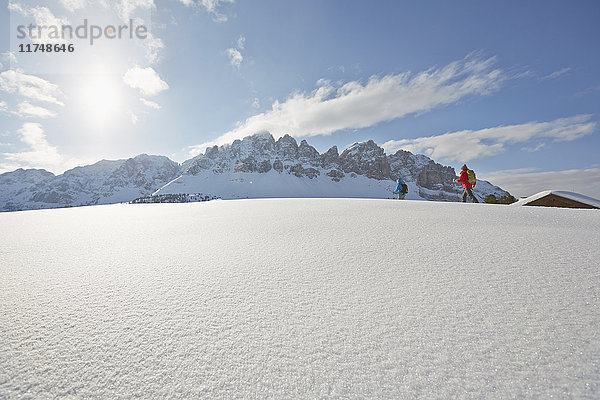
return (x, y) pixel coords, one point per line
(333, 151)
(363, 149)
(306, 152)
(287, 147)
(261, 142)
(367, 159)
(287, 140)
(330, 158)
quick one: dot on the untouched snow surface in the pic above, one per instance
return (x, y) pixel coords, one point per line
(300, 298)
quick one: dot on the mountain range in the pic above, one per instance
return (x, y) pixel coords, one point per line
(256, 166)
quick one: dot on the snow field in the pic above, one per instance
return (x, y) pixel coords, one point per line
(300, 298)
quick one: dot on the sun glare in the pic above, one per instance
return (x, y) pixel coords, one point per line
(101, 99)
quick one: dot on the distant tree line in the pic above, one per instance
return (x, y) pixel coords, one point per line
(174, 198)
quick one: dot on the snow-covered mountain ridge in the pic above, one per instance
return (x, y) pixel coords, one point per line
(105, 182)
(260, 166)
(256, 166)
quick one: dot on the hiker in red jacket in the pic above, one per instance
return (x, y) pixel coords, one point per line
(464, 179)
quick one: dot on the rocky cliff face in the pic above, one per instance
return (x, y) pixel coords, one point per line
(261, 153)
(329, 175)
(366, 159)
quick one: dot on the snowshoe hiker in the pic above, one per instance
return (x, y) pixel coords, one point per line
(401, 189)
(468, 180)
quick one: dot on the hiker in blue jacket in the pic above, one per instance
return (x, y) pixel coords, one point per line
(401, 189)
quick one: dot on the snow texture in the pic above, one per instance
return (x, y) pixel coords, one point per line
(568, 195)
(300, 298)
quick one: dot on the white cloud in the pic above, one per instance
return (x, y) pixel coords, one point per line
(3, 106)
(30, 86)
(356, 105)
(524, 182)
(533, 149)
(16, 7)
(8, 58)
(73, 5)
(27, 109)
(241, 42)
(211, 6)
(150, 104)
(256, 103)
(134, 118)
(126, 8)
(40, 153)
(235, 57)
(153, 46)
(146, 80)
(323, 82)
(466, 145)
(43, 17)
(558, 73)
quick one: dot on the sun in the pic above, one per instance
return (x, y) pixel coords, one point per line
(101, 99)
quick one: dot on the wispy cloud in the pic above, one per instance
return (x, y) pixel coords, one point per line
(9, 58)
(467, 145)
(73, 5)
(150, 104)
(213, 7)
(235, 57)
(146, 80)
(355, 105)
(525, 182)
(42, 17)
(27, 109)
(153, 46)
(556, 74)
(30, 86)
(241, 42)
(256, 103)
(235, 54)
(533, 149)
(133, 117)
(40, 154)
(126, 8)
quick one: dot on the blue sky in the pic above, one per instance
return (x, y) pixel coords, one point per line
(512, 88)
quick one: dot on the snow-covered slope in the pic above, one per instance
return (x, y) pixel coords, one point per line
(101, 183)
(260, 166)
(300, 298)
(257, 166)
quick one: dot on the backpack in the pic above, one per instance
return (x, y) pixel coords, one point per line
(472, 179)
(404, 188)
